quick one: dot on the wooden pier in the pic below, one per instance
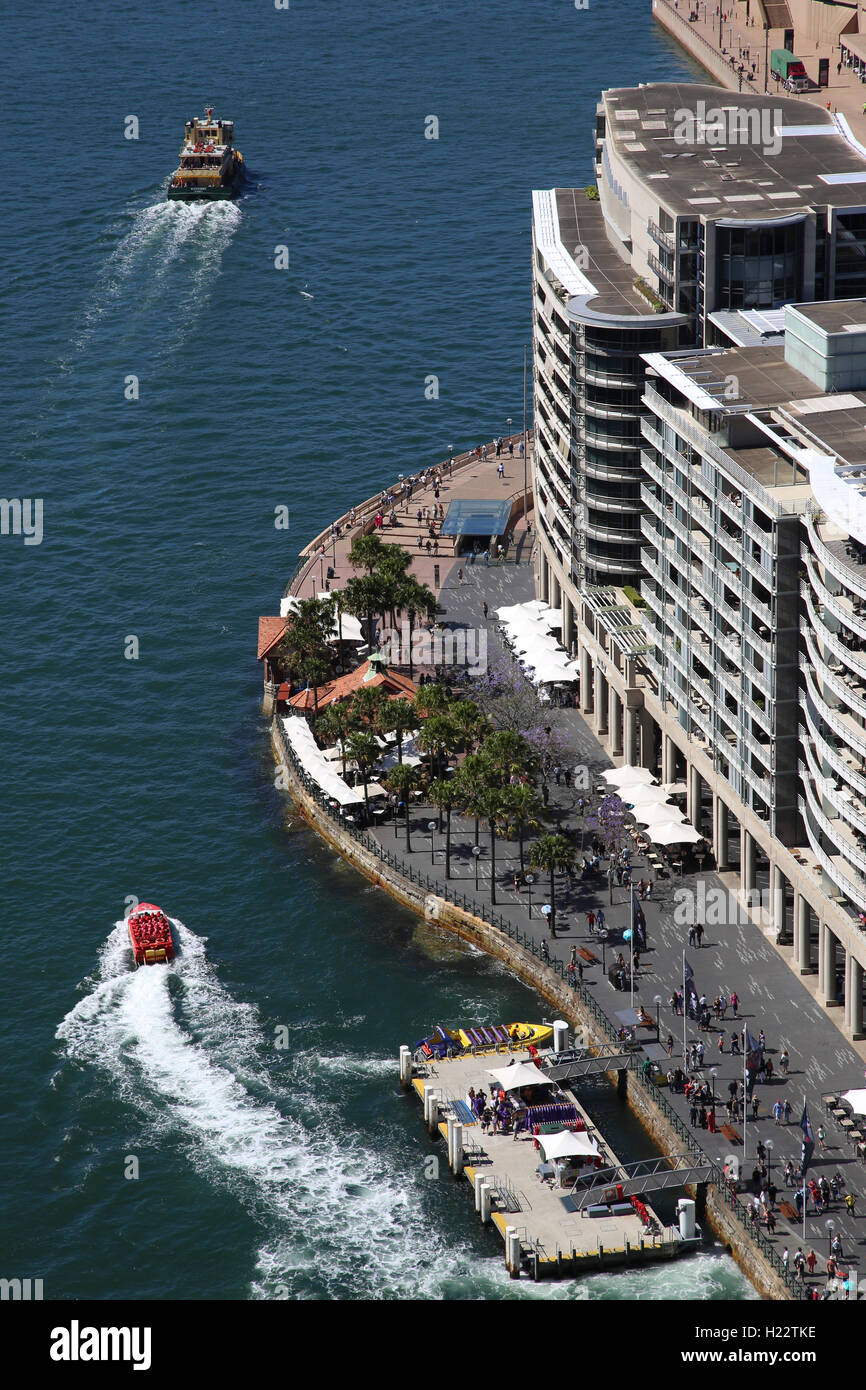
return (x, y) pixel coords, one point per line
(549, 1230)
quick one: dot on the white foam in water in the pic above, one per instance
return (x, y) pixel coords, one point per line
(131, 277)
(346, 1212)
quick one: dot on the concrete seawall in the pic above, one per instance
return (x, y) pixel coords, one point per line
(566, 1002)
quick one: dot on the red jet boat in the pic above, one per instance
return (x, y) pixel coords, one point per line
(150, 933)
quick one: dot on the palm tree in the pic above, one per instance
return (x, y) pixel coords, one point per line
(523, 808)
(473, 778)
(315, 669)
(367, 552)
(507, 754)
(417, 601)
(431, 699)
(362, 596)
(398, 715)
(436, 737)
(363, 749)
(402, 779)
(445, 794)
(336, 724)
(552, 852)
(469, 723)
(368, 704)
(490, 803)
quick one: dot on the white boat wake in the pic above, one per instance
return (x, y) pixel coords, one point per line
(190, 237)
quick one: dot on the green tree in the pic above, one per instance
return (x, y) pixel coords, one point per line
(507, 754)
(473, 779)
(362, 596)
(363, 749)
(416, 601)
(552, 852)
(336, 724)
(431, 699)
(368, 707)
(524, 809)
(445, 794)
(398, 715)
(436, 737)
(315, 669)
(492, 809)
(367, 552)
(403, 779)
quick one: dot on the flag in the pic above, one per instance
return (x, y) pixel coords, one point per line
(808, 1138)
(690, 992)
(638, 922)
(754, 1052)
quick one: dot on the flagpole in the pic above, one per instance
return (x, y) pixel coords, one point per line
(745, 1100)
(804, 1181)
(631, 944)
(685, 1068)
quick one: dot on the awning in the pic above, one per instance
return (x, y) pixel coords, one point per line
(521, 1074)
(566, 1144)
(670, 833)
(855, 43)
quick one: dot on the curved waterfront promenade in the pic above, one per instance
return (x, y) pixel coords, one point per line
(742, 958)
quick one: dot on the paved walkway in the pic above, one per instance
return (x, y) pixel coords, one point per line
(469, 478)
(742, 43)
(737, 957)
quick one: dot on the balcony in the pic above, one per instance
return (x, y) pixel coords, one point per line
(851, 658)
(850, 575)
(853, 891)
(663, 239)
(844, 688)
(841, 607)
(844, 725)
(661, 270)
(843, 763)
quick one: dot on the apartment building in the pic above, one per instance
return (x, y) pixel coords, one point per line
(699, 440)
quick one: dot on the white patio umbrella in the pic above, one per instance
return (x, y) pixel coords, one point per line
(618, 776)
(653, 814)
(643, 795)
(856, 1100)
(672, 833)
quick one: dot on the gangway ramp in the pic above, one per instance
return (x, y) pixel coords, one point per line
(646, 1175)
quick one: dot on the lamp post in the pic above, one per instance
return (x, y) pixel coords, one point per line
(658, 1001)
(450, 457)
(830, 1229)
(431, 826)
(769, 1146)
(714, 1071)
(476, 850)
(529, 879)
(508, 423)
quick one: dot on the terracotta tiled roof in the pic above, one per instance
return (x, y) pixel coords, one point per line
(271, 631)
(395, 686)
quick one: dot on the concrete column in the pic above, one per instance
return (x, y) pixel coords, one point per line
(777, 900)
(669, 758)
(647, 740)
(747, 860)
(720, 833)
(846, 988)
(555, 591)
(614, 720)
(629, 735)
(826, 964)
(586, 688)
(693, 782)
(600, 702)
(855, 997)
(543, 576)
(567, 624)
(803, 933)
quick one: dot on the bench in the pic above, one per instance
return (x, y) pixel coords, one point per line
(587, 956)
(730, 1133)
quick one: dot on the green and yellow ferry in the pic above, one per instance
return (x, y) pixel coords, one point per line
(210, 166)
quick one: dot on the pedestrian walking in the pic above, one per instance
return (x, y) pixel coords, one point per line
(784, 1061)
(692, 931)
(811, 1261)
(777, 1111)
(735, 1003)
(459, 573)
(485, 610)
(599, 919)
(735, 1044)
(821, 1136)
(850, 1199)
(787, 1109)
(699, 934)
(669, 1044)
(721, 1042)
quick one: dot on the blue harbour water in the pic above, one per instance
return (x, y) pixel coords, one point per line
(262, 1171)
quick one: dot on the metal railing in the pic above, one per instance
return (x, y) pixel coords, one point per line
(581, 993)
